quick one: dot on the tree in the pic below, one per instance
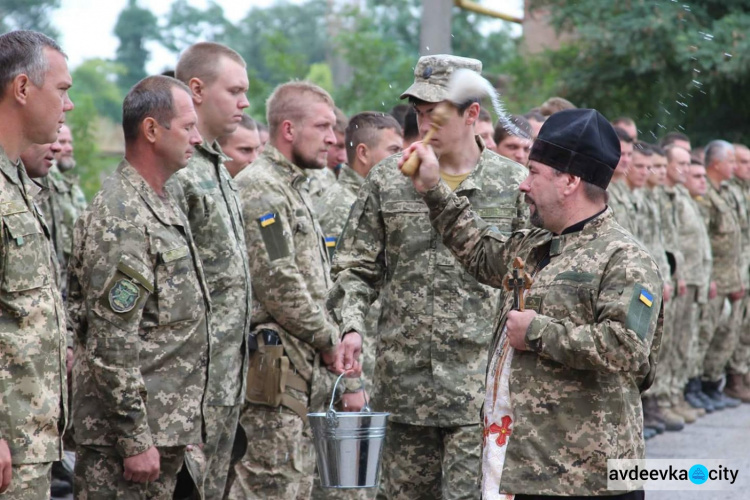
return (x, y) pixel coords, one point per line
(97, 79)
(668, 65)
(186, 25)
(135, 27)
(29, 15)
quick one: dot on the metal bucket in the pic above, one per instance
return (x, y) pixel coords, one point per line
(348, 445)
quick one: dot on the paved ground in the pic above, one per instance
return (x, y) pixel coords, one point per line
(720, 435)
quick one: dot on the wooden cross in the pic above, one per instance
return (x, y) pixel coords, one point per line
(517, 281)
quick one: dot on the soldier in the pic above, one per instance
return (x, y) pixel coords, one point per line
(242, 146)
(207, 195)
(63, 168)
(696, 247)
(512, 146)
(138, 305)
(678, 139)
(486, 130)
(294, 334)
(34, 83)
(738, 369)
(620, 199)
(565, 373)
(719, 336)
(322, 180)
(435, 319)
(628, 125)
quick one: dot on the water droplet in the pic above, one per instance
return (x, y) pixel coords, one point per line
(453, 36)
(697, 83)
(390, 86)
(727, 54)
(696, 70)
(654, 135)
(661, 126)
(666, 111)
(383, 103)
(428, 47)
(680, 127)
(351, 144)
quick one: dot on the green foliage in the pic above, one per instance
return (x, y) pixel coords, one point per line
(320, 74)
(90, 163)
(28, 15)
(96, 79)
(186, 25)
(669, 65)
(135, 27)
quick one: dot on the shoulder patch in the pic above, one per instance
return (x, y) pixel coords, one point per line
(640, 311)
(267, 220)
(495, 212)
(273, 236)
(123, 296)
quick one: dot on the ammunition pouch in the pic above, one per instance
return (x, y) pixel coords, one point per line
(269, 375)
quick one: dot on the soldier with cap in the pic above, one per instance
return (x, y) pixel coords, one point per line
(435, 321)
(565, 373)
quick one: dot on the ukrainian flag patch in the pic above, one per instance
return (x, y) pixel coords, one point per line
(646, 297)
(267, 219)
(331, 241)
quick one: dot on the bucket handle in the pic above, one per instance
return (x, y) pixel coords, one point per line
(331, 413)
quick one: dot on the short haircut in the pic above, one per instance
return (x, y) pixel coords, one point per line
(716, 150)
(622, 120)
(592, 192)
(523, 125)
(201, 60)
(341, 121)
(364, 128)
(669, 148)
(643, 148)
(696, 161)
(623, 136)
(22, 52)
(484, 116)
(411, 126)
(658, 151)
(245, 122)
(151, 97)
(262, 127)
(290, 101)
(671, 137)
(399, 112)
(554, 105)
(535, 115)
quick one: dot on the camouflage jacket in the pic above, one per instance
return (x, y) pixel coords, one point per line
(666, 197)
(72, 203)
(592, 347)
(320, 181)
(49, 203)
(334, 206)
(138, 305)
(33, 388)
(290, 261)
(436, 320)
(694, 243)
(208, 196)
(740, 194)
(726, 238)
(622, 205)
(649, 226)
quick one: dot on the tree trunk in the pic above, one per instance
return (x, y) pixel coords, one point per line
(435, 34)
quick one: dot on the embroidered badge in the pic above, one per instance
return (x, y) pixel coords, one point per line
(503, 431)
(331, 241)
(646, 297)
(267, 219)
(123, 296)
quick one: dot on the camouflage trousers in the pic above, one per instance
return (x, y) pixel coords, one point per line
(722, 343)
(279, 461)
(221, 427)
(29, 482)
(739, 363)
(684, 339)
(99, 475)
(665, 365)
(431, 463)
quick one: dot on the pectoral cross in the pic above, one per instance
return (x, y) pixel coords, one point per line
(518, 281)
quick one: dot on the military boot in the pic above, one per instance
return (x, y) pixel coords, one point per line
(672, 421)
(650, 409)
(649, 432)
(684, 410)
(736, 388)
(692, 396)
(718, 398)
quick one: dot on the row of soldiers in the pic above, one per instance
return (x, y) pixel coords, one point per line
(691, 212)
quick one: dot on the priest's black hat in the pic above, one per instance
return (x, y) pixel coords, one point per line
(580, 142)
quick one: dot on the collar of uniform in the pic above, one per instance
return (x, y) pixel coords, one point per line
(163, 209)
(295, 175)
(213, 151)
(474, 180)
(573, 240)
(9, 168)
(349, 178)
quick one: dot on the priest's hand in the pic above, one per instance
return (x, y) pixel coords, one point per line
(517, 324)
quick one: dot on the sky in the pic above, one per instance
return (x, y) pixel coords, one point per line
(87, 25)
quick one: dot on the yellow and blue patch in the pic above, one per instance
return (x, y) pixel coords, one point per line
(646, 297)
(267, 219)
(331, 241)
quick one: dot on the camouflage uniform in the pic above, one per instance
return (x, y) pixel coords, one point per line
(138, 304)
(592, 346)
(291, 269)
(739, 363)
(33, 393)
(320, 181)
(207, 195)
(435, 322)
(622, 205)
(696, 271)
(48, 202)
(717, 338)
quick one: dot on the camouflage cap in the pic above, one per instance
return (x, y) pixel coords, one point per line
(432, 74)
